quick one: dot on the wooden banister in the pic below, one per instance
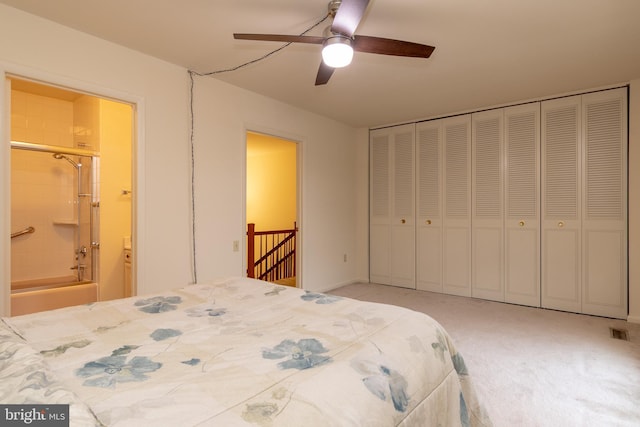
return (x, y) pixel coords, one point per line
(251, 243)
(275, 251)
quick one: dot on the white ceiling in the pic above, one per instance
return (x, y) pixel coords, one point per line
(488, 52)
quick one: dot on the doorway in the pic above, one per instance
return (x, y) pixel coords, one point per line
(71, 188)
(272, 205)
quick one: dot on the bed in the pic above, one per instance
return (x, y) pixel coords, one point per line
(238, 352)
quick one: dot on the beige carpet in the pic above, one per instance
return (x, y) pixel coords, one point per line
(534, 367)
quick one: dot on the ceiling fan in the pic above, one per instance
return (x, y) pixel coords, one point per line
(339, 40)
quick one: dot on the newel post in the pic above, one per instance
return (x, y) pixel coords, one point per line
(251, 229)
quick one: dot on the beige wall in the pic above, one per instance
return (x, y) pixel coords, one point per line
(271, 182)
(115, 207)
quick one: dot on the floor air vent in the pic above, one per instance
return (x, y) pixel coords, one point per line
(620, 334)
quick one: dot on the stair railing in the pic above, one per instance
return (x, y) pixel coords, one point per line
(271, 255)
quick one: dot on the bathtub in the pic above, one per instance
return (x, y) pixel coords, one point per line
(31, 296)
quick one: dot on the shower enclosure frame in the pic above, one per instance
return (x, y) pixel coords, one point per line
(60, 152)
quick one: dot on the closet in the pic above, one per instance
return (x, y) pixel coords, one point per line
(444, 210)
(505, 239)
(524, 204)
(584, 203)
(392, 210)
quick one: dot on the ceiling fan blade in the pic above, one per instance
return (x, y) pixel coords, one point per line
(348, 16)
(324, 74)
(383, 46)
(280, 38)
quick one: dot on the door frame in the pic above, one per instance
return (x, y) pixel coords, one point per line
(138, 229)
(299, 141)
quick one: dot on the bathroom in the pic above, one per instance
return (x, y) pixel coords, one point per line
(71, 197)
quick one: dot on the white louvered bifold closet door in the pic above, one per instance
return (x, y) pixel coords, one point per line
(380, 208)
(604, 221)
(584, 227)
(522, 204)
(392, 218)
(487, 261)
(561, 201)
(456, 236)
(429, 206)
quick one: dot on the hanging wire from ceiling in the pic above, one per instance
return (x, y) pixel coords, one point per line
(194, 271)
(265, 56)
(192, 73)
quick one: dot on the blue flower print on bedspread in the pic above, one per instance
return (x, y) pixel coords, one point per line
(440, 347)
(459, 365)
(191, 362)
(304, 354)
(206, 310)
(158, 304)
(163, 334)
(275, 291)
(384, 382)
(108, 371)
(320, 298)
(464, 413)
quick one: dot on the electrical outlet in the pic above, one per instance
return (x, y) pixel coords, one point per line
(236, 246)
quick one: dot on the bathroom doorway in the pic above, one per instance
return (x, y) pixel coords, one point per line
(71, 197)
(272, 206)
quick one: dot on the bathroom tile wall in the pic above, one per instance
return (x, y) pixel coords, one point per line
(42, 189)
(41, 119)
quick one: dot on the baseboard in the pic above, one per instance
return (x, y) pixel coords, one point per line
(633, 319)
(331, 287)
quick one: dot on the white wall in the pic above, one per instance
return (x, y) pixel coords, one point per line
(328, 203)
(39, 49)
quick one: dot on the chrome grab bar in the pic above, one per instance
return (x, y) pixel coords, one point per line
(21, 232)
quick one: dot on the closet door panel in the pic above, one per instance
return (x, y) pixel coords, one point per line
(429, 206)
(487, 278)
(561, 275)
(604, 273)
(457, 261)
(457, 206)
(487, 263)
(379, 262)
(522, 204)
(403, 231)
(392, 206)
(429, 261)
(605, 203)
(522, 266)
(561, 201)
(380, 208)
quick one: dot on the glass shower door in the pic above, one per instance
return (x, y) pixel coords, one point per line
(52, 198)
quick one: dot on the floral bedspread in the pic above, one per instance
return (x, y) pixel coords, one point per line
(245, 352)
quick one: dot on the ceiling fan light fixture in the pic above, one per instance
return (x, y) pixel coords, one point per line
(337, 52)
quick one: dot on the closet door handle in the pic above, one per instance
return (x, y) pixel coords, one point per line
(521, 223)
(560, 224)
(428, 222)
(403, 221)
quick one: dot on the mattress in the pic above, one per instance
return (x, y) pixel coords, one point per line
(238, 352)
